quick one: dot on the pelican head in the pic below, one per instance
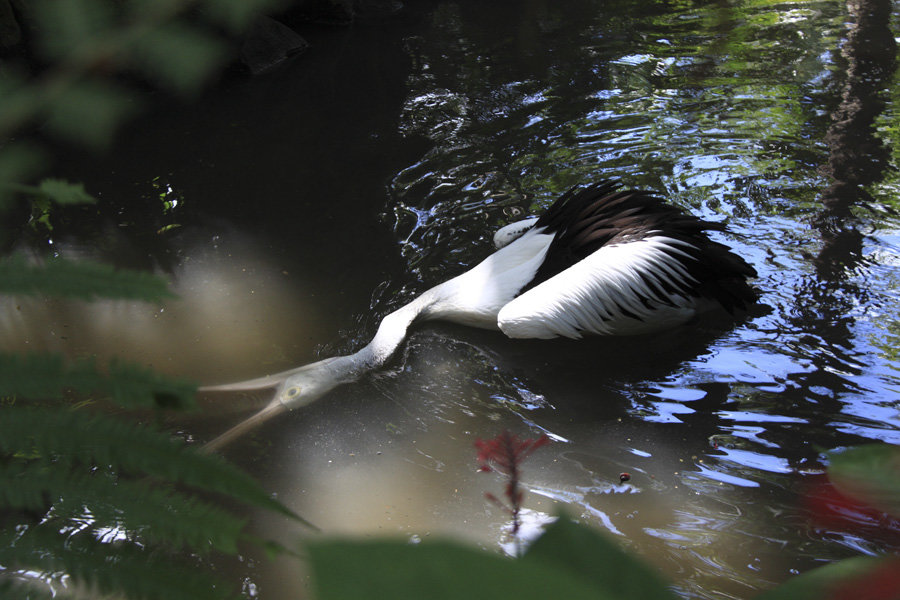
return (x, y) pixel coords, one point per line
(309, 383)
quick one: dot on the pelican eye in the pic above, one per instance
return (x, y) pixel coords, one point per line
(293, 392)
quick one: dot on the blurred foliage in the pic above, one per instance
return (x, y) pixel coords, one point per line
(869, 474)
(569, 560)
(572, 560)
(91, 504)
(345, 570)
(91, 501)
(94, 57)
(126, 384)
(84, 280)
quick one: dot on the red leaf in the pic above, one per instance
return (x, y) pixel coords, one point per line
(505, 453)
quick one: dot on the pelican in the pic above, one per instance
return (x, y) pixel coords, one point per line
(599, 261)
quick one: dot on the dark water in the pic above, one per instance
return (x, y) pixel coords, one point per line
(313, 201)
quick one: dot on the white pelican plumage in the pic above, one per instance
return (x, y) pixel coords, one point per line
(598, 261)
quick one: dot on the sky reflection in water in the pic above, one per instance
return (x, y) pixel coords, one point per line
(733, 130)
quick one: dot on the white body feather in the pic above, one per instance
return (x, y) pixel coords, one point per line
(477, 296)
(597, 295)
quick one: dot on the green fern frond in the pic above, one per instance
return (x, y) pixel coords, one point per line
(82, 280)
(139, 510)
(90, 439)
(46, 376)
(114, 503)
(111, 508)
(107, 567)
(130, 384)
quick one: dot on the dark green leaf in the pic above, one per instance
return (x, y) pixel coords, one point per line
(597, 561)
(47, 376)
(90, 112)
(18, 163)
(63, 192)
(65, 28)
(236, 15)
(346, 570)
(870, 474)
(816, 584)
(111, 515)
(180, 57)
(82, 280)
(166, 518)
(73, 435)
(108, 567)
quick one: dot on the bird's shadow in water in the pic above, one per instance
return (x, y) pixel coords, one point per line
(570, 373)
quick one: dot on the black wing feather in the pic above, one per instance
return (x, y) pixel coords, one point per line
(585, 219)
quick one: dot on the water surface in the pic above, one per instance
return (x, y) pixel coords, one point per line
(314, 200)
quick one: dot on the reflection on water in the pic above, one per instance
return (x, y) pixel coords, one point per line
(733, 110)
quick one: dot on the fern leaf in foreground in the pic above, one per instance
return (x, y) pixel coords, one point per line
(82, 280)
(152, 513)
(114, 506)
(107, 566)
(73, 436)
(127, 384)
(64, 192)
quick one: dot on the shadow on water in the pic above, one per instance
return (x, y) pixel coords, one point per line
(557, 367)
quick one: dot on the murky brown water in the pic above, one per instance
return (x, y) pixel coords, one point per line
(316, 199)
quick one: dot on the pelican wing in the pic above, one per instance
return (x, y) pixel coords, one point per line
(627, 288)
(623, 262)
